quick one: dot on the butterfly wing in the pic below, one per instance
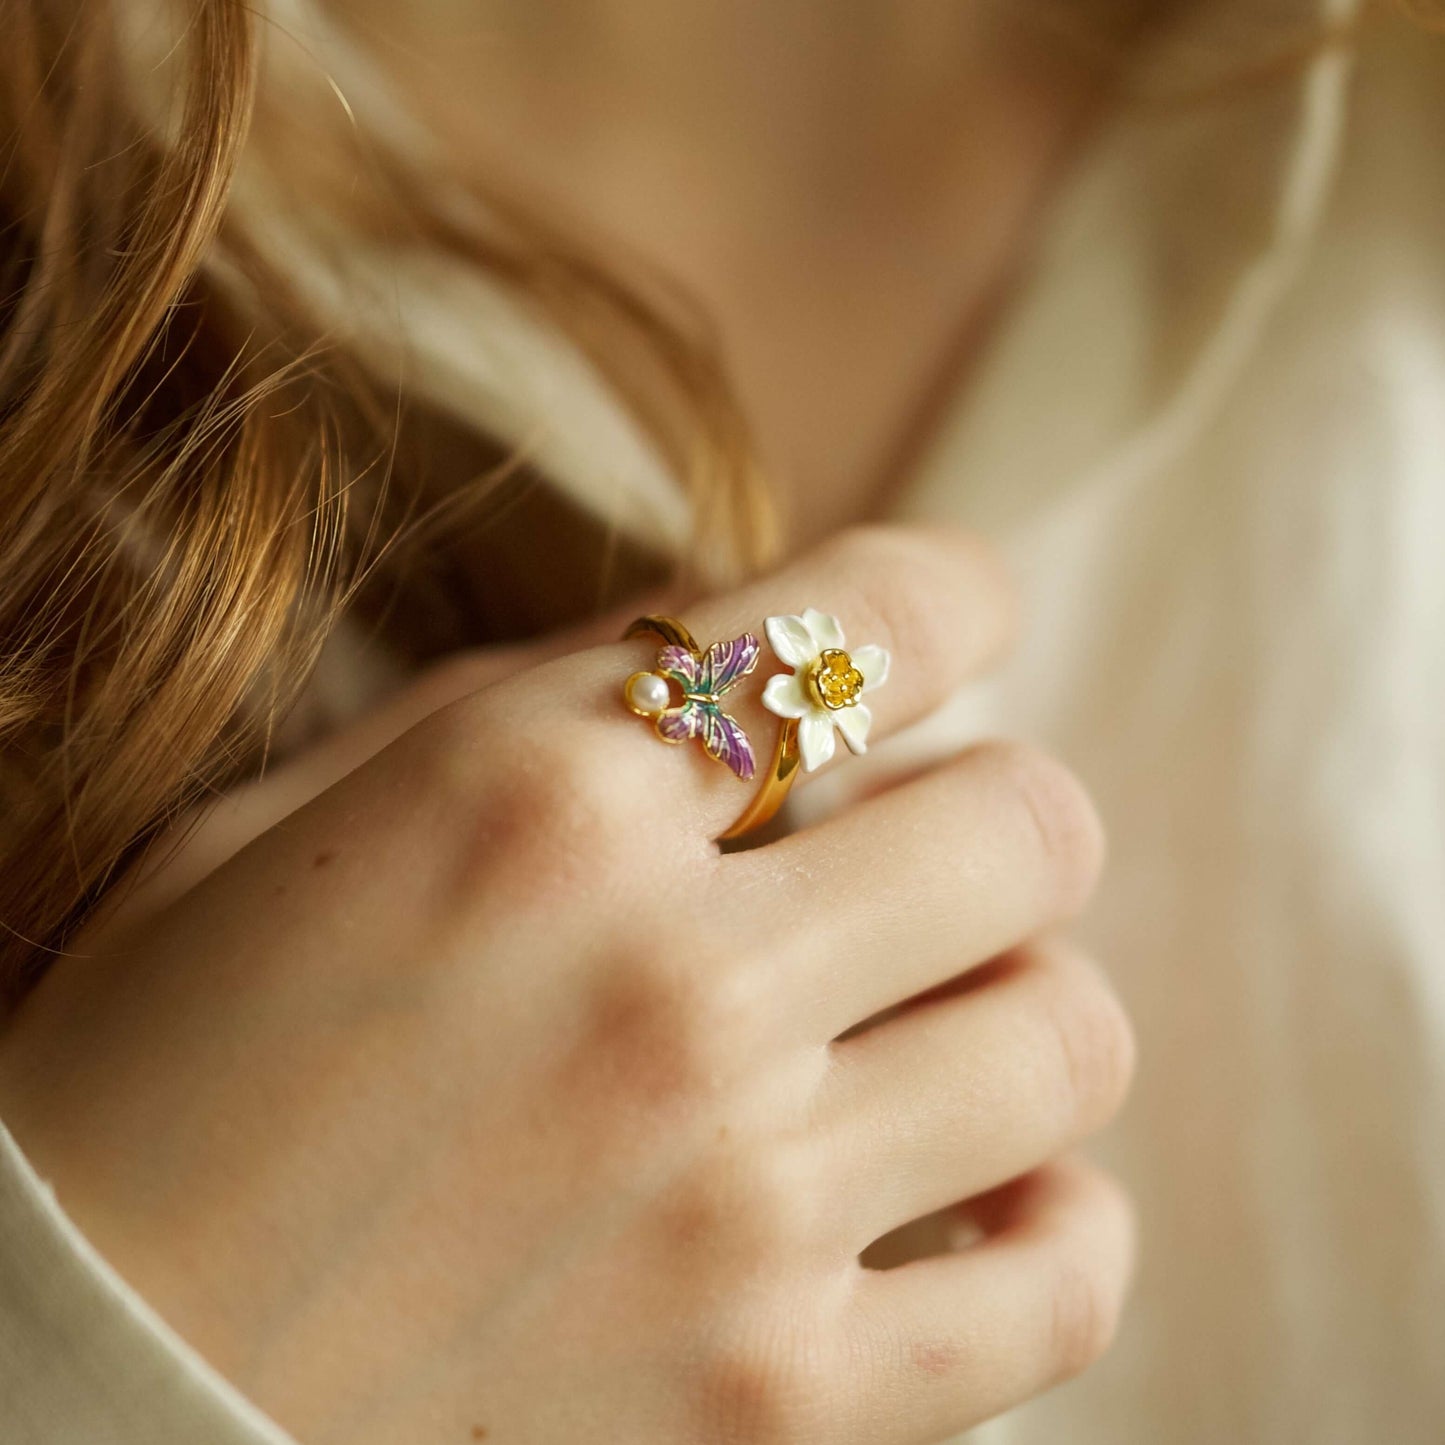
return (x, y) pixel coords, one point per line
(721, 667)
(678, 724)
(680, 665)
(725, 664)
(724, 740)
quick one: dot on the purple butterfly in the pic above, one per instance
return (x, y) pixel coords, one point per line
(704, 680)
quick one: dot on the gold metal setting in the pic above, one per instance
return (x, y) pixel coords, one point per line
(772, 792)
(786, 761)
(834, 682)
(667, 630)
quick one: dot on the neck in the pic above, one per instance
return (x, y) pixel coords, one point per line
(842, 183)
(788, 102)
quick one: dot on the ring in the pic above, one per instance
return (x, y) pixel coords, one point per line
(683, 698)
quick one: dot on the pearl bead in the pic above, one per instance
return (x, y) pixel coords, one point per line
(649, 693)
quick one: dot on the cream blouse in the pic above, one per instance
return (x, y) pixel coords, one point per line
(1211, 437)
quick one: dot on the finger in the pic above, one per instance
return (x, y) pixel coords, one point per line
(935, 599)
(959, 1338)
(957, 1096)
(919, 884)
(583, 791)
(214, 831)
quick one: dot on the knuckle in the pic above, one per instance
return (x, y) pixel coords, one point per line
(995, 594)
(781, 1216)
(551, 818)
(1093, 1257)
(891, 568)
(447, 748)
(754, 1206)
(904, 573)
(660, 1028)
(862, 545)
(1094, 1043)
(568, 793)
(1085, 1306)
(561, 784)
(768, 1384)
(1060, 817)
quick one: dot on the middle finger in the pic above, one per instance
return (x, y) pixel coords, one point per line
(917, 885)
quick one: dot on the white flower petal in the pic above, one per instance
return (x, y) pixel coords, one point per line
(872, 661)
(786, 696)
(815, 739)
(854, 722)
(825, 629)
(791, 640)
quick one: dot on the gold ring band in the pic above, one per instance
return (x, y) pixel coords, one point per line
(821, 699)
(772, 792)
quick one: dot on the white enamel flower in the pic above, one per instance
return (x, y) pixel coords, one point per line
(825, 689)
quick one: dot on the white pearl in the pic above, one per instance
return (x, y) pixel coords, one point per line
(649, 693)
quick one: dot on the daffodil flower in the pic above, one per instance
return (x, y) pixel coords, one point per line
(825, 689)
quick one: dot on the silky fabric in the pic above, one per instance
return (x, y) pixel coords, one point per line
(1210, 437)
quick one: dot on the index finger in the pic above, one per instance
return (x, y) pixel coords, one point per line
(936, 599)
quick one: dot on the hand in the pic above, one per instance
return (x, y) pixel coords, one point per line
(480, 1097)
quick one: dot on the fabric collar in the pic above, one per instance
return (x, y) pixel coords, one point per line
(1168, 251)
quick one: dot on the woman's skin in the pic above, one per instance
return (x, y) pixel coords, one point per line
(847, 186)
(482, 1098)
(449, 1084)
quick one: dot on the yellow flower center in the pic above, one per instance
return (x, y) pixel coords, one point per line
(834, 681)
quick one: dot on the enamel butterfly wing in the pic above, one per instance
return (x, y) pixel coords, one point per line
(704, 681)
